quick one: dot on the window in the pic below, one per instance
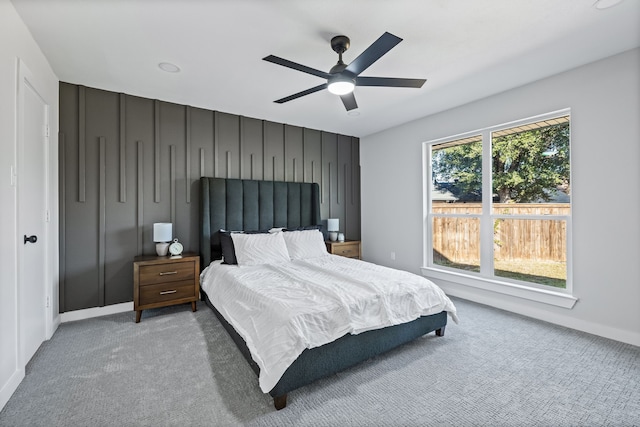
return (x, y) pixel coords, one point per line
(499, 203)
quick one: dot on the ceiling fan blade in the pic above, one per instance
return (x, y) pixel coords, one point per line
(384, 44)
(389, 81)
(349, 101)
(303, 93)
(296, 66)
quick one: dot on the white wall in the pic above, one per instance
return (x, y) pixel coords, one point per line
(16, 42)
(604, 98)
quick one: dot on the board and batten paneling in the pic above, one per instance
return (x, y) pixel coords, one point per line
(127, 162)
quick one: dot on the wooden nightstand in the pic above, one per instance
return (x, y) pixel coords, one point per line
(348, 248)
(162, 281)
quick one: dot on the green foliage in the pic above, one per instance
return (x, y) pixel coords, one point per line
(462, 165)
(527, 166)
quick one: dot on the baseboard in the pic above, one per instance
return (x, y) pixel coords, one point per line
(53, 326)
(87, 313)
(616, 334)
(10, 387)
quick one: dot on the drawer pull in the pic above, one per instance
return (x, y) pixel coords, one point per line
(168, 292)
(166, 273)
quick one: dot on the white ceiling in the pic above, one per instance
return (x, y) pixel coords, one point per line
(466, 49)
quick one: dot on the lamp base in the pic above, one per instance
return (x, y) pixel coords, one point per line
(162, 248)
(333, 236)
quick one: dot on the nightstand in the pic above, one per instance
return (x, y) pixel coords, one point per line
(159, 281)
(348, 248)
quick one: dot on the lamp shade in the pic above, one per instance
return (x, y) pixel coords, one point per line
(162, 232)
(333, 224)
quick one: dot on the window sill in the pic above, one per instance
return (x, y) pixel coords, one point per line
(545, 296)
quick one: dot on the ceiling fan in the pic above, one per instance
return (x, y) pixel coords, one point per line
(343, 78)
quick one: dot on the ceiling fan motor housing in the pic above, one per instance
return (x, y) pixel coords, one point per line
(340, 44)
(338, 68)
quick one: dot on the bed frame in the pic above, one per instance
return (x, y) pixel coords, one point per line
(235, 204)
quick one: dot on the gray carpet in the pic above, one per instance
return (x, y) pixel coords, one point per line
(181, 368)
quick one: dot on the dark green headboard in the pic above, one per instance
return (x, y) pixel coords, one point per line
(242, 204)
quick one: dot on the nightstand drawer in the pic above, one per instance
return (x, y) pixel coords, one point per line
(349, 250)
(161, 273)
(162, 292)
(162, 281)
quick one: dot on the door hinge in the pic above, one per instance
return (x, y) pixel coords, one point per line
(48, 302)
(46, 131)
(46, 216)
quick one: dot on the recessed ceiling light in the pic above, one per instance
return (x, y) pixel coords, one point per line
(605, 4)
(169, 67)
(353, 113)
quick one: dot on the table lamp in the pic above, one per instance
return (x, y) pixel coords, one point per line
(162, 235)
(333, 225)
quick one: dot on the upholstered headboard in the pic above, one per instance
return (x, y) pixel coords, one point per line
(241, 204)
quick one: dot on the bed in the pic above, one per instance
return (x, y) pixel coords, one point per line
(243, 205)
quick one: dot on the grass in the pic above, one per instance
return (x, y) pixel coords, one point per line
(549, 273)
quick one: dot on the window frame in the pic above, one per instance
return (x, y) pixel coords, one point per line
(486, 278)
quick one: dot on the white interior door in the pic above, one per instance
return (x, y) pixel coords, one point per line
(32, 230)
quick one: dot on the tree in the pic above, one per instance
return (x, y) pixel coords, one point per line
(459, 170)
(527, 166)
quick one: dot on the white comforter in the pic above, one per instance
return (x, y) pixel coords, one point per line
(284, 308)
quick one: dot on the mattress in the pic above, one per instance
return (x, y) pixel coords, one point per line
(280, 309)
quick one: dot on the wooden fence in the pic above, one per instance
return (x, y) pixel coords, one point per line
(458, 239)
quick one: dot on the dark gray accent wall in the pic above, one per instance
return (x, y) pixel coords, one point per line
(127, 162)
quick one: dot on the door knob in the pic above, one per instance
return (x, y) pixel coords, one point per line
(30, 239)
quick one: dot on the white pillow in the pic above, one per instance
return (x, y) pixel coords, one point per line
(305, 244)
(255, 249)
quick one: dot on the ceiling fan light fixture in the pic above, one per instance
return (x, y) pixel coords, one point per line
(341, 87)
